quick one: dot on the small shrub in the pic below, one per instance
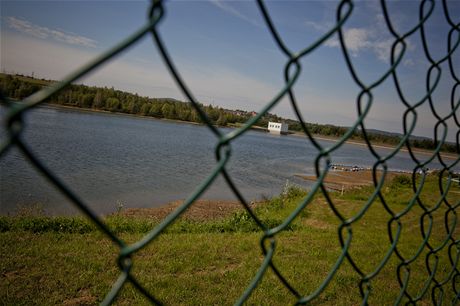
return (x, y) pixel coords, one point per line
(401, 180)
(242, 221)
(292, 191)
(5, 224)
(275, 203)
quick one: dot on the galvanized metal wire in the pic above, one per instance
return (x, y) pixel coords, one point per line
(223, 153)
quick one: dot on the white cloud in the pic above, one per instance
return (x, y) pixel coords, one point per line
(317, 26)
(356, 40)
(232, 11)
(409, 62)
(223, 86)
(52, 60)
(382, 48)
(360, 39)
(375, 38)
(25, 26)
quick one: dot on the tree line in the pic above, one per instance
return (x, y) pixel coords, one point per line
(109, 99)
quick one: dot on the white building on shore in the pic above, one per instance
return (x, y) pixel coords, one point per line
(277, 128)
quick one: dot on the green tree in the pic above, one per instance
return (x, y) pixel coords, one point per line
(145, 109)
(168, 111)
(155, 110)
(222, 120)
(112, 104)
(98, 102)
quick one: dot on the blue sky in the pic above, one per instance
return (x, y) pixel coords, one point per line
(228, 58)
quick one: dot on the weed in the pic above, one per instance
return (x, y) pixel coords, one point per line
(119, 206)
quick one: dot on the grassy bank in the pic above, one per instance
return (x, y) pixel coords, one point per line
(67, 261)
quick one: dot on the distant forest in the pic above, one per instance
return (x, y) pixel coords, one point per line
(110, 99)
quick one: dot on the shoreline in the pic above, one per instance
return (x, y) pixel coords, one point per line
(207, 209)
(100, 111)
(336, 181)
(356, 142)
(362, 143)
(199, 211)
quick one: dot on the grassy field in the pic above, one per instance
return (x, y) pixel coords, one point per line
(65, 260)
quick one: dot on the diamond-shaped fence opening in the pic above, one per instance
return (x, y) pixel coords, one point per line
(439, 213)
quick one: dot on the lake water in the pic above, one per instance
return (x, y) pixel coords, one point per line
(143, 162)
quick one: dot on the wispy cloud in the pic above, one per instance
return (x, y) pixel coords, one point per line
(361, 39)
(409, 62)
(210, 84)
(318, 26)
(233, 11)
(27, 27)
(356, 39)
(373, 38)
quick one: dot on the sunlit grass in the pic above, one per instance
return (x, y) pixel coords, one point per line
(66, 260)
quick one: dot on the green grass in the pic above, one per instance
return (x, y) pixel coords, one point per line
(65, 260)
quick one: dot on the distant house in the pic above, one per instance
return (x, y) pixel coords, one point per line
(277, 128)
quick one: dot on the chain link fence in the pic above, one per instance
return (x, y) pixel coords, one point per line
(223, 153)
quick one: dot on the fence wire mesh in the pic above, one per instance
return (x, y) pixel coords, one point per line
(364, 101)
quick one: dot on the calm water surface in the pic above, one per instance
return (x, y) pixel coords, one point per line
(142, 162)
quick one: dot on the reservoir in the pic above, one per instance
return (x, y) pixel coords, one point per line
(108, 159)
